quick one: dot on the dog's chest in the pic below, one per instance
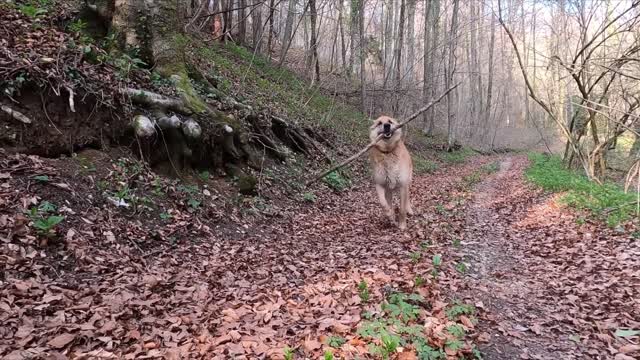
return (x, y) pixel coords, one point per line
(388, 171)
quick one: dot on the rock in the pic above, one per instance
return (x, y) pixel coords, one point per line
(143, 126)
(247, 184)
(191, 129)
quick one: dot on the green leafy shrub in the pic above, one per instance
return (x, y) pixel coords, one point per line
(336, 181)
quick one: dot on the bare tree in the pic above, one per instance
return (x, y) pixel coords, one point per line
(451, 63)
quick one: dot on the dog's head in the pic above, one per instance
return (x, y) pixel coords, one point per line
(384, 126)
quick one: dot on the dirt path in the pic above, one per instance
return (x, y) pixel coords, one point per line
(497, 278)
(534, 307)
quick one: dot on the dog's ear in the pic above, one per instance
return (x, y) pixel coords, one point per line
(374, 123)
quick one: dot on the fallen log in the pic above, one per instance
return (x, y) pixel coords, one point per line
(372, 144)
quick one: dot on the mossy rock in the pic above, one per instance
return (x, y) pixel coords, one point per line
(247, 184)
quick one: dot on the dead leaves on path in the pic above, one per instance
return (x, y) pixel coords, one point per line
(580, 277)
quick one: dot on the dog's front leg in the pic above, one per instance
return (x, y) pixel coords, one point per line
(382, 196)
(404, 207)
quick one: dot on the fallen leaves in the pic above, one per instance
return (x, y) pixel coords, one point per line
(61, 340)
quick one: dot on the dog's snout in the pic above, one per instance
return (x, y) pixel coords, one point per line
(387, 127)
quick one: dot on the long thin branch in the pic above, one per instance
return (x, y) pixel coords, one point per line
(373, 143)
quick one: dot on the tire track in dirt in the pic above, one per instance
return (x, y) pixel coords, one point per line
(499, 280)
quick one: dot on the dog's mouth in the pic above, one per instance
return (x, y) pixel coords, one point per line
(386, 131)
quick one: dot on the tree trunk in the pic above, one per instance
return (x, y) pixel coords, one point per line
(343, 45)
(287, 30)
(363, 57)
(487, 110)
(257, 25)
(435, 37)
(242, 22)
(315, 61)
(453, 34)
(411, 41)
(426, 74)
(389, 41)
(271, 21)
(353, 31)
(398, 56)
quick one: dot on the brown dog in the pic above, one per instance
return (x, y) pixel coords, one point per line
(392, 168)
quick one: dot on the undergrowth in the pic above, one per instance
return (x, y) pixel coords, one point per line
(607, 201)
(278, 87)
(456, 157)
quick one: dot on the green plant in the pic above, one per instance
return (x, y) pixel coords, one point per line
(12, 86)
(102, 185)
(440, 209)
(328, 355)
(418, 281)
(491, 167)
(461, 267)
(458, 309)
(204, 175)
(363, 291)
(436, 260)
(456, 157)
(336, 341)
(457, 242)
(193, 204)
(309, 197)
(456, 330)
(288, 353)
(415, 256)
(402, 306)
(46, 226)
(472, 178)
(607, 201)
(32, 11)
(165, 216)
(453, 344)
(41, 178)
(123, 193)
(476, 353)
(390, 343)
(77, 26)
(423, 166)
(426, 352)
(336, 181)
(46, 207)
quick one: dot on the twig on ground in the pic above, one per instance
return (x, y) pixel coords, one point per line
(371, 144)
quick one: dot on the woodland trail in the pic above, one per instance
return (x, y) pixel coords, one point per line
(552, 286)
(544, 285)
(499, 277)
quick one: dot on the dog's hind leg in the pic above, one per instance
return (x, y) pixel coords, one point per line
(409, 206)
(385, 196)
(404, 207)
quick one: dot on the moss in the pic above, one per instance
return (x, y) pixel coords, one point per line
(247, 184)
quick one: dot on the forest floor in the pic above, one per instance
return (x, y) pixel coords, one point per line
(489, 265)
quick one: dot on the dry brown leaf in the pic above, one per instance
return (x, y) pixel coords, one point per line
(61, 341)
(629, 348)
(311, 345)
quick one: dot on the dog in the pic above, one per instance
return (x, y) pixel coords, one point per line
(392, 168)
